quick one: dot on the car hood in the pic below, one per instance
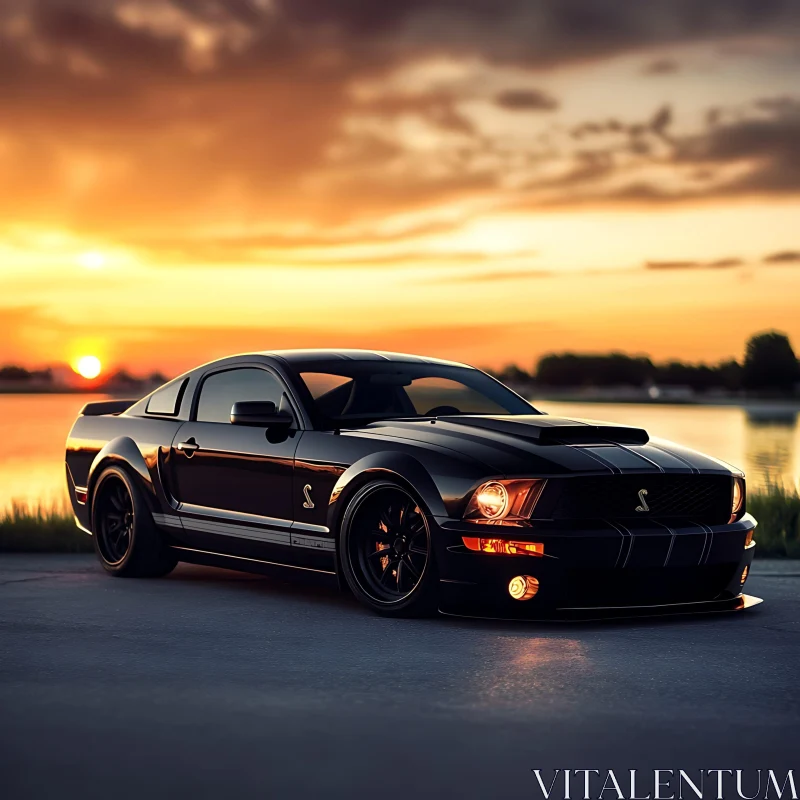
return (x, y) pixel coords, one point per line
(541, 444)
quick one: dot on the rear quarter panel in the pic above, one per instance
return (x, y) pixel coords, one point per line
(140, 444)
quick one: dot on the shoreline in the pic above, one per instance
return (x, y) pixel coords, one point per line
(569, 396)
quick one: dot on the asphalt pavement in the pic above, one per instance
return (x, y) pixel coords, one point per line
(213, 684)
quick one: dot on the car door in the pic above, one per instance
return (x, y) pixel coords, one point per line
(234, 482)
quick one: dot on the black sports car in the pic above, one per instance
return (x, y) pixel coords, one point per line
(420, 484)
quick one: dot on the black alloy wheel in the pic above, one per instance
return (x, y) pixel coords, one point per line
(126, 540)
(115, 519)
(387, 550)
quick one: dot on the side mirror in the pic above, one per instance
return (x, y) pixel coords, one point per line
(260, 414)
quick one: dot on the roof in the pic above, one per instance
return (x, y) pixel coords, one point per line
(305, 356)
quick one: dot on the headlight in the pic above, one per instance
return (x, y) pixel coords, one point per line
(737, 503)
(492, 500)
(497, 500)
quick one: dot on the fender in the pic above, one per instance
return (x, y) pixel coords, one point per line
(123, 451)
(402, 466)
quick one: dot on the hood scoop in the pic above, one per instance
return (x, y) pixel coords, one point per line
(546, 430)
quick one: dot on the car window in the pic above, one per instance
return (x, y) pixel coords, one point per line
(221, 390)
(352, 392)
(444, 394)
(320, 383)
(167, 399)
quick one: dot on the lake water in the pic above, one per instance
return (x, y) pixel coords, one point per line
(763, 439)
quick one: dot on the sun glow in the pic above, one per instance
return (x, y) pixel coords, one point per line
(88, 367)
(92, 260)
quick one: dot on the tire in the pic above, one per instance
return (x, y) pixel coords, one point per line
(382, 517)
(126, 541)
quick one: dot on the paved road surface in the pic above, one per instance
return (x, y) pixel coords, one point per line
(214, 684)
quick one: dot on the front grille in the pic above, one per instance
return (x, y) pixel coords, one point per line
(699, 498)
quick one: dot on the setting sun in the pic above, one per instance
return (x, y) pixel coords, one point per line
(88, 367)
(92, 260)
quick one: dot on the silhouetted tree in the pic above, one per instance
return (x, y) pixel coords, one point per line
(514, 374)
(770, 362)
(12, 373)
(573, 369)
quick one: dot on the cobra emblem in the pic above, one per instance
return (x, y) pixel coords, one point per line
(309, 503)
(643, 506)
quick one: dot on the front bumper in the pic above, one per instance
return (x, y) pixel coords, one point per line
(597, 569)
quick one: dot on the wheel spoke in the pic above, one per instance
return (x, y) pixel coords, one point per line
(387, 571)
(390, 543)
(417, 526)
(410, 567)
(385, 518)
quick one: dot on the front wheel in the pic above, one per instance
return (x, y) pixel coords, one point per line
(386, 553)
(125, 539)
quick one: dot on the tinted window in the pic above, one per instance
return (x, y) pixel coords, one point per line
(167, 399)
(222, 389)
(438, 394)
(354, 392)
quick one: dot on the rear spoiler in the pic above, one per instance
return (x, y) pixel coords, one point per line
(103, 407)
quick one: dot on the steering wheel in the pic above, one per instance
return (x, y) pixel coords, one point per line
(442, 411)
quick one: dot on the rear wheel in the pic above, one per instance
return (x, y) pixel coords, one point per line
(386, 552)
(126, 540)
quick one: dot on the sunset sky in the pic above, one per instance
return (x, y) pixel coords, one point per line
(484, 180)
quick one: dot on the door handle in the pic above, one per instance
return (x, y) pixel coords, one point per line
(188, 447)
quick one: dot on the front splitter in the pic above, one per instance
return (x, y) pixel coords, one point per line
(599, 613)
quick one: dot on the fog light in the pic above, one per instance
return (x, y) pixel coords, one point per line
(503, 546)
(523, 587)
(748, 539)
(744, 574)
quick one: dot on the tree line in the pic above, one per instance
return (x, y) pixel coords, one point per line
(769, 365)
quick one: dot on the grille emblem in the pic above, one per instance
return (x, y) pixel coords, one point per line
(643, 506)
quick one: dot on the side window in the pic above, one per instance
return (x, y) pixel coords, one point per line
(167, 399)
(222, 389)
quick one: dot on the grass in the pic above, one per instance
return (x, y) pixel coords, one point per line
(777, 510)
(43, 529)
(52, 529)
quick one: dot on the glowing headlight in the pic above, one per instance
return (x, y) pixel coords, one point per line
(492, 500)
(738, 495)
(507, 499)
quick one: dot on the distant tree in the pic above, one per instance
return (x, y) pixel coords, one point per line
(12, 373)
(770, 362)
(514, 374)
(573, 369)
(730, 375)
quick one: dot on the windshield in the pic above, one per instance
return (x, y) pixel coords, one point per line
(342, 394)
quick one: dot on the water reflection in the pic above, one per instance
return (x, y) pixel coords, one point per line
(771, 445)
(763, 439)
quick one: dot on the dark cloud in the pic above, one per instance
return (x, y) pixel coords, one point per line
(720, 263)
(661, 66)
(526, 100)
(140, 116)
(783, 257)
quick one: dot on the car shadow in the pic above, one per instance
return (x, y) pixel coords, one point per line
(308, 592)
